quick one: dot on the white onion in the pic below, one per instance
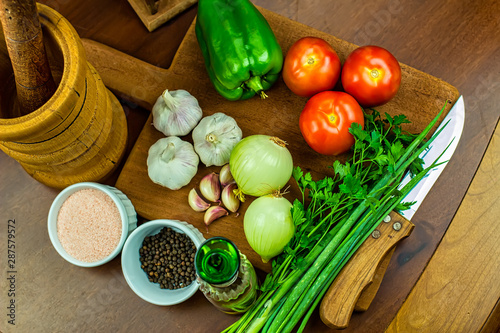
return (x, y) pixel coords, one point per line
(268, 225)
(261, 164)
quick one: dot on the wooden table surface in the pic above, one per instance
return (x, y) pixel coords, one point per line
(451, 283)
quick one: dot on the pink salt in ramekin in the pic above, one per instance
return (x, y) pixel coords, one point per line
(127, 213)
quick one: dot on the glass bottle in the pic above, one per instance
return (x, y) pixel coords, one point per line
(227, 278)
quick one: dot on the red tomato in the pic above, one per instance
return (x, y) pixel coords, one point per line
(372, 75)
(311, 66)
(326, 119)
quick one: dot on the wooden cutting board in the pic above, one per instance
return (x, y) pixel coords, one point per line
(420, 97)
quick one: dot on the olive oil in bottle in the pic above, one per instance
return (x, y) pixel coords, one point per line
(227, 278)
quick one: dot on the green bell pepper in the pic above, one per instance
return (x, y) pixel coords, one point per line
(241, 53)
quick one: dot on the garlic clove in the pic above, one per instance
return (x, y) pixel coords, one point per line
(196, 202)
(225, 176)
(213, 213)
(229, 199)
(210, 187)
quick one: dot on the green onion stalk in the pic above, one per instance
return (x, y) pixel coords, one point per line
(335, 218)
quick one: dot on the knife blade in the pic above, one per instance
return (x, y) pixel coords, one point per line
(446, 140)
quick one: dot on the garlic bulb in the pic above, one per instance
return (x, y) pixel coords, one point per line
(176, 113)
(172, 162)
(214, 138)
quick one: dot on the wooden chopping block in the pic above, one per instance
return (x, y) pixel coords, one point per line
(23, 36)
(357, 284)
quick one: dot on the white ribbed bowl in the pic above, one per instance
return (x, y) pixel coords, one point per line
(137, 278)
(125, 207)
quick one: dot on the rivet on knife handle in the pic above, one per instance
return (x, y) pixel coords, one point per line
(356, 280)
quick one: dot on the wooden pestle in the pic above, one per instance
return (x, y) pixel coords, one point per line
(23, 37)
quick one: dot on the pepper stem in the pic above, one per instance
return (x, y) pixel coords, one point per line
(168, 154)
(255, 84)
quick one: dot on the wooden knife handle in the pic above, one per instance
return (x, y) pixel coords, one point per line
(23, 37)
(358, 282)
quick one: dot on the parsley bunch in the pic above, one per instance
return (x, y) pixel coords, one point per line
(376, 150)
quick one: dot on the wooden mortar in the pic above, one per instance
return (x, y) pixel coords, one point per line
(80, 133)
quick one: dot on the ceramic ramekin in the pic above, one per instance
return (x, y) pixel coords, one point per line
(125, 207)
(137, 278)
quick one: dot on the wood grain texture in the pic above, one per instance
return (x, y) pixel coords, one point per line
(24, 40)
(452, 279)
(492, 324)
(115, 23)
(456, 41)
(80, 133)
(156, 13)
(277, 115)
(361, 276)
(368, 295)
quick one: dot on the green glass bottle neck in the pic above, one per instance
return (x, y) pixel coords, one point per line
(217, 262)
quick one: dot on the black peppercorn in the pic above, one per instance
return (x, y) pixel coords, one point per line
(167, 258)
